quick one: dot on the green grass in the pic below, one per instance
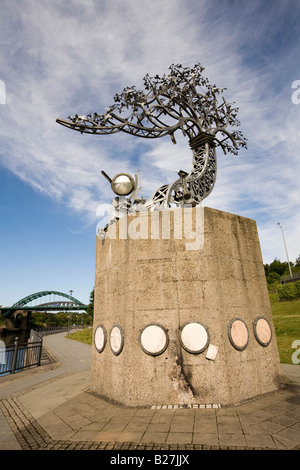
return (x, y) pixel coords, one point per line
(84, 336)
(286, 318)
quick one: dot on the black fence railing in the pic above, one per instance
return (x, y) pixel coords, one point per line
(19, 356)
(287, 278)
(50, 330)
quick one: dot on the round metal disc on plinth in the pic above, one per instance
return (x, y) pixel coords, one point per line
(100, 338)
(238, 334)
(154, 339)
(262, 331)
(194, 337)
(116, 339)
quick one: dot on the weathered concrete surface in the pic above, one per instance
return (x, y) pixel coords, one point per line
(147, 281)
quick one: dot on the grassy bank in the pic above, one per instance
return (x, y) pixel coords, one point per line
(84, 336)
(286, 317)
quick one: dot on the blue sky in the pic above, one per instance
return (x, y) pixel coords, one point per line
(64, 57)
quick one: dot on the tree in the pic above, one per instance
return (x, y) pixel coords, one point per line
(273, 277)
(278, 267)
(182, 100)
(90, 308)
(275, 270)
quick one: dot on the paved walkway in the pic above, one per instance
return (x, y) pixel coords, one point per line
(51, 408)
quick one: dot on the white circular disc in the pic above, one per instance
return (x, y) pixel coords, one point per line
(116, 340)
(194, 338)
(100, 338)
(154, 339)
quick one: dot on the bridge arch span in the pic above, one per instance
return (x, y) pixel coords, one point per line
(29, 298)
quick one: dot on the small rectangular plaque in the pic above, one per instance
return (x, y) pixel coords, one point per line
(212, 352)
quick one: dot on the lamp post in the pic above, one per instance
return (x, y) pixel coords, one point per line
(291, 275)
(71, 292)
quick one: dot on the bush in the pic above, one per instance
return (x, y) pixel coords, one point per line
(289, 291)
(273, 277)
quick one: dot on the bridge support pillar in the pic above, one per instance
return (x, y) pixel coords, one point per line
(12, 323)
(9, 323)
(25, 316)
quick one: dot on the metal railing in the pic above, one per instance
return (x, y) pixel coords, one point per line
(19, 356)
(287, 278)
(50, 330)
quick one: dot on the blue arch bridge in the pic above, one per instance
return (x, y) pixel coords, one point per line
(57, 301)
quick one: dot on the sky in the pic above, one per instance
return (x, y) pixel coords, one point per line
(63, 57)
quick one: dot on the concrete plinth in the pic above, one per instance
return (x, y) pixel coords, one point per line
(182, 320)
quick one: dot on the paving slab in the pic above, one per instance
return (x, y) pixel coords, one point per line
(43, 399)
(8, 440)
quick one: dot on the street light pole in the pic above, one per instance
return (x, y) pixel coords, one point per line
(71, 292)
(291, 275)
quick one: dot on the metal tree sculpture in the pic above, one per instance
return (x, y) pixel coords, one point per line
(182, 100)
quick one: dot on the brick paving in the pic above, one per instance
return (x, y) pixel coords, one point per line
(70, 417)
(32, 436)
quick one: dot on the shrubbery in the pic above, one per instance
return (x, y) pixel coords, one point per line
(289, 291)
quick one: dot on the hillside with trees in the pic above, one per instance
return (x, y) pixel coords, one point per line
(275, 270)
